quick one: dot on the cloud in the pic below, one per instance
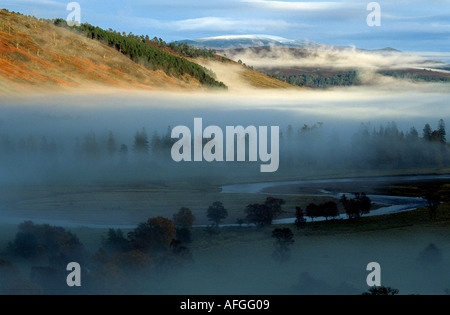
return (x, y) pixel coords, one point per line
(418, 19)
(301, 5)
(216, 24)
(229, 24)
(36, 3)
(330, 58)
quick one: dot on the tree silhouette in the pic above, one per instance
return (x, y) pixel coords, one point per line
(433, 199)
(427, 132)
(299, 217)
(141, 143)
(111, 144)
(115, 241)
(328, 209)
(90, 145)
(284, 238)
(153, 236)
(183, 218)
(441, 131)
(263, 214)
(217, 213)
(381, 291)
(312, 211)
(357, 206)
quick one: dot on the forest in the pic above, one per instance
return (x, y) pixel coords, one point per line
(144, 52)
(382, 148)
(189, 51)
(415, 76)
(315, 81)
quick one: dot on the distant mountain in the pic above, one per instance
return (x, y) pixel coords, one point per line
(221, 43)
(387, 49)
(308, 64)
(246, 41)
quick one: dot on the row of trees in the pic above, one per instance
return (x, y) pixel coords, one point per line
(354, 207)
(306, 147)
(390, 147)
(415, 76)
(88, 145)
(316, 81)
(357, 206)
(327, 209)
(263, 214)
(190, 51)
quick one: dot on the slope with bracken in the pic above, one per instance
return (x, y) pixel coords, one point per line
(35, 53)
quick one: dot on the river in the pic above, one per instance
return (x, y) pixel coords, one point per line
(390, 204)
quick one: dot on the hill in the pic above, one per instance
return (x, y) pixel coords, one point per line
(41, 54)
(35, 53)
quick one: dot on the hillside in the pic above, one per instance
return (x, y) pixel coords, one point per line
(36, 54)
(239, 76)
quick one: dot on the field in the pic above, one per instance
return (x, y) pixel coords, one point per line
(328, 257)
(124, 205)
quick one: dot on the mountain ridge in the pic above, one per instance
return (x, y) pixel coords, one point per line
(263, 41)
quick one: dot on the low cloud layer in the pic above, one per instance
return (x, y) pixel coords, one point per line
(328, 57)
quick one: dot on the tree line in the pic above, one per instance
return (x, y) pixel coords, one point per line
(140, 51)
(381, 148)
(348, 78)
(388, 147)
(185, 50)
(385, 147)
(415, 76)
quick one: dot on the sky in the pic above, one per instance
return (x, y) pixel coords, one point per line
(415, 25)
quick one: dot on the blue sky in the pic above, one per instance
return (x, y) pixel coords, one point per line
(415, 25)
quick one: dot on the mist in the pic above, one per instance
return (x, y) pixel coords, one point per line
(323, 265)
(56, 168)
(334, 117)
(334, 59)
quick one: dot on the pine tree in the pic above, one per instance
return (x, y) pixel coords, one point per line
(441, 130)
(427, 132)
(141, 143)
(111, 144)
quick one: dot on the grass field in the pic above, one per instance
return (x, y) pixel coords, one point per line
(326, 257)
(120, 205)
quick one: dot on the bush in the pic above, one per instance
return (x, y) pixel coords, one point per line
(381, 291)
(263, 214)
(45, 241)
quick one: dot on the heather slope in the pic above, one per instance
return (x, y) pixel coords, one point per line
(37, 53)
